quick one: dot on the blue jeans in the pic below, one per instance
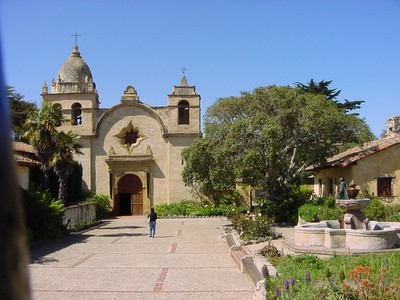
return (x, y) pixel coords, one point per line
(152, 226)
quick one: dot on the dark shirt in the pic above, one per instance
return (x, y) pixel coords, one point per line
(152, 216)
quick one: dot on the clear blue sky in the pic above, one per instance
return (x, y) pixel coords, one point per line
(228, 46)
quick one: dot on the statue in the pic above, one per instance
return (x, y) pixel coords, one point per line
(343, 189)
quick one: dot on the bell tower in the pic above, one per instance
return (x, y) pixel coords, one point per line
(76, 92)
(184, 109)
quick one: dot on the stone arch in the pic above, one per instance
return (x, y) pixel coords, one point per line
(151, 111)
(76, 113)
(183, 112)
(129, 197)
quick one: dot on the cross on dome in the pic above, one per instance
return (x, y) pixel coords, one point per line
(76, 37)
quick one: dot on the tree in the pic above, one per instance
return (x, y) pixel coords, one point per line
(322, 88)
(55, 149)
(206, 172)
(63, 160)
(19, 110)
(266, 138)
(364, 133)
(42, 135)
(319, 88)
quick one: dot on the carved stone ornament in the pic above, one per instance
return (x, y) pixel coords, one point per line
(130, 137)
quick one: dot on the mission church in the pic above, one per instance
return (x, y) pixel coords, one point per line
(132, 151)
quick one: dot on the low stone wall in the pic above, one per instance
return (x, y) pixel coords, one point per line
(250, 263)
(79, 214)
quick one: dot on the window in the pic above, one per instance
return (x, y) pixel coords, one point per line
(76, 114)
(183, 112)
(130, 137)
(384, 186)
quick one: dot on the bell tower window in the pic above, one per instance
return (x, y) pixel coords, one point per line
(76, 116)
(183, 112)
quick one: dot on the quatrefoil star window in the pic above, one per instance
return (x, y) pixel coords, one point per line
(130, 137)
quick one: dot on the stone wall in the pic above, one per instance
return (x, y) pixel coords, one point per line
(79, 214)
(393, 126)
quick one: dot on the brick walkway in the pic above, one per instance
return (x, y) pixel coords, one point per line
(118, 260)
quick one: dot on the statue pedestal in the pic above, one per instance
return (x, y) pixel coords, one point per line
(354, 218)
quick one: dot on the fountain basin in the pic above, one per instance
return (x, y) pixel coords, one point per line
(327, 234)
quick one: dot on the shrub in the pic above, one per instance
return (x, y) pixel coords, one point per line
(191, 208)
(182, 208)
(209, 210)
(271, 253)
(233, 211)
(375, 210)
(392, 213)
(378, 211)
(285, 209)
(309, 212)
(103, 206)
(329, 202)
(251, 226)
(301, 193)
(326, 209)
(230, 198)
(313, 213)
(43, 215)
(320, 209)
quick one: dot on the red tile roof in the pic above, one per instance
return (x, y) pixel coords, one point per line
(23, 147)
(26, 161)
(24, 155)
(354, 154)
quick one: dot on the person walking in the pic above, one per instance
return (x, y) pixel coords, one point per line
(152, 222)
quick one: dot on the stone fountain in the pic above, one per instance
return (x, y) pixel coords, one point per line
(353, 218)
(353, 233)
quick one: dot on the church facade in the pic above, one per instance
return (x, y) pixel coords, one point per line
(132, 151)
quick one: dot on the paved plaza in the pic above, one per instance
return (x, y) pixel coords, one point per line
(118, 260)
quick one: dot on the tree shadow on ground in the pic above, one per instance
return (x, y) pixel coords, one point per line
(40, 252)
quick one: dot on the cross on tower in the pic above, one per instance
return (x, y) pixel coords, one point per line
(183, 70)
(76, 37)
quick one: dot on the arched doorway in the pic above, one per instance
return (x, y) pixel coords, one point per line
(129, 200)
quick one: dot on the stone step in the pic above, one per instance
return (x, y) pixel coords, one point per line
(237, 253)
(237, 256)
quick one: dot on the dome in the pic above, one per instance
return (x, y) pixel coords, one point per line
(75, 69)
